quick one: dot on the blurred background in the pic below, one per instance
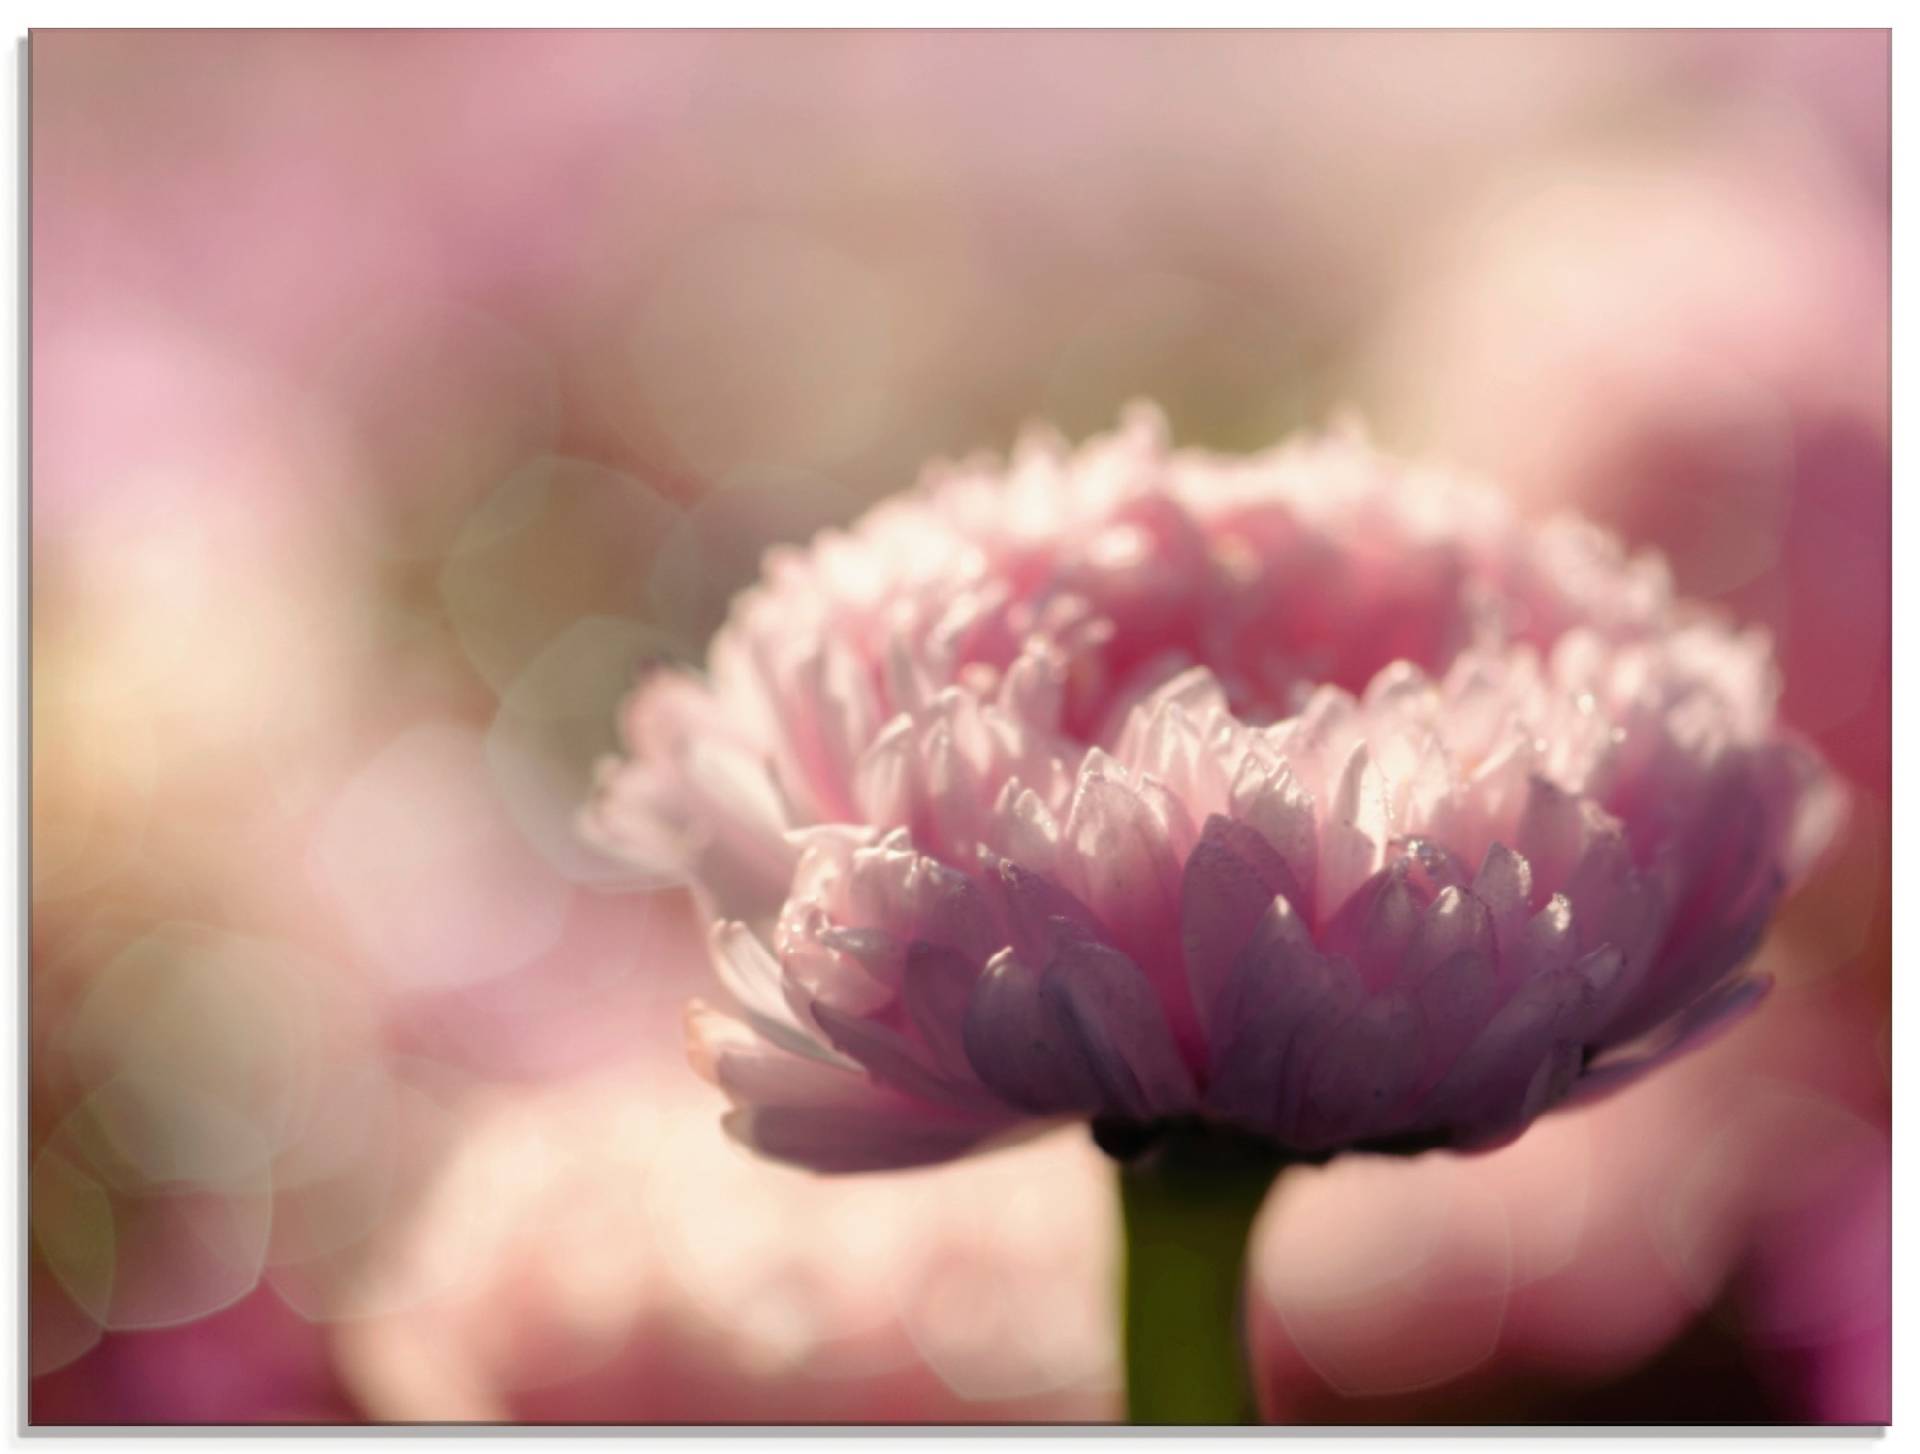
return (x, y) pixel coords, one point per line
(396, 395)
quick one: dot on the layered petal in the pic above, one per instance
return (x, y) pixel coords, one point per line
(1310, 792)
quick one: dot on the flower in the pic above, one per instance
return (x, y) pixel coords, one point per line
(1309, 794)
(591, 1252)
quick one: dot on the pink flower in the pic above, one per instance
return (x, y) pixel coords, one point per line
(590, 1251)
(1308, 793)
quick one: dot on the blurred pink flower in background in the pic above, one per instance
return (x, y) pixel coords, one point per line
(396, 395)
(596, 1252)
(1716, 385)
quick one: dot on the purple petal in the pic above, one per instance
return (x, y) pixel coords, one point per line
(1702, 1023)
(1376, 925)
(896, 1060)
(1362, 1074)
(1454, 923)
(1284, 999)
(935, 989)
(1018, 1047)
(1505, 885)
(842, 1140)
(1487, 1088)
(1231, 877)
(749, 1068)
(1456, 998)
(1113, 1016)
(1544, 945)
(1039, 913)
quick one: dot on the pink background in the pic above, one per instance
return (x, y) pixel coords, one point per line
(395, 395)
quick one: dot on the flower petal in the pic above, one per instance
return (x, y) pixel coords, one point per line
(1114, 1018)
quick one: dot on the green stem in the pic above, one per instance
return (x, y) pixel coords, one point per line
(1188, 1206)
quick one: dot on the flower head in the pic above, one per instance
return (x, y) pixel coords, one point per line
(1310, 793)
